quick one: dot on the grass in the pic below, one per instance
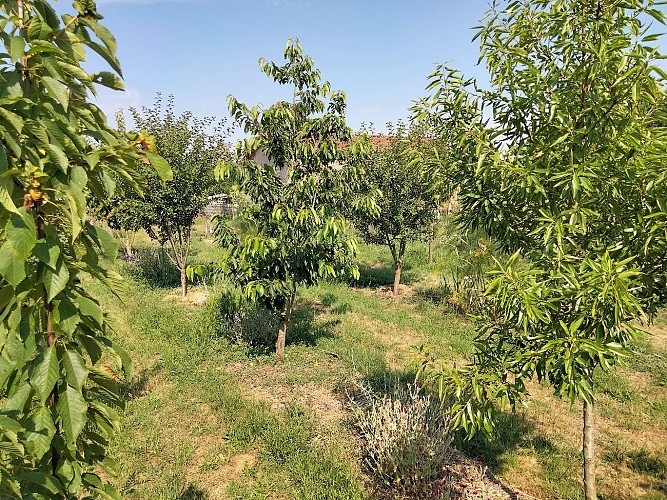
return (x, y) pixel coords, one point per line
(206, 418)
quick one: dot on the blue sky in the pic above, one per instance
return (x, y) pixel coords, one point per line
(378, 52)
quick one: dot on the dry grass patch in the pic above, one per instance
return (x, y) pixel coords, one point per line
(196, 297)
(214, 479)
(264, 383)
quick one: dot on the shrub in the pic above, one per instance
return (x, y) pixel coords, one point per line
(153, 265)
(406, 438)
(242, 321)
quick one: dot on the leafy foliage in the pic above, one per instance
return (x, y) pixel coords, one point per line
(570, 175)
(167, 211)
(409, 191)
(300, 234)
(58, 370)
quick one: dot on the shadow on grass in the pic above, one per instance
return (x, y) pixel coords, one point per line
(152, 265)
(512, 430)
(378, 275)
(305, 328)
(191, 492)
(436, 295)
(137, 386)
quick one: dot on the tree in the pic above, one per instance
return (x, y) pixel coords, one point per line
(300, 235)
(410, 196)
(58, 369)
(168, 211)
(569, 144)
(125, 212)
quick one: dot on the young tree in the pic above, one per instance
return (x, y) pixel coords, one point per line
(300, 235)
(58, 369)
(124, 213)
(570, 175)
(169, 210)
(409, 201)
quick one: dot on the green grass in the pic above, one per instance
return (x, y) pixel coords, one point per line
(206, 418)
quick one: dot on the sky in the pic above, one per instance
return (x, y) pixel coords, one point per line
(379, 53)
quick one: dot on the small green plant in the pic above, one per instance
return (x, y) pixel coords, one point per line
(406, 437)
(288, 436)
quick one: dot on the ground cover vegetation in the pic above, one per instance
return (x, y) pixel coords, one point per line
(537, 284)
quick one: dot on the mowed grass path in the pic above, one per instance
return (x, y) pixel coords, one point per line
(208, 419)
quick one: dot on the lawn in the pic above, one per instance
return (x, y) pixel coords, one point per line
(207, 418)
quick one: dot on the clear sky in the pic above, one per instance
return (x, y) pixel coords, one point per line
(379, 52)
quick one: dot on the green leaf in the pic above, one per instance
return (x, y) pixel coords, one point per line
(44, 480)
(91, 309)
(108, 79)
(38, 29)
(75, 369)
(16, 48)
(125, 360)
(56, 281)
(66, 315)
(6, 188)
(105, 54)
(161, 166)
(47, 253)
(21, 234)
(9, 425)
(17, 401)
(40, 430)
(72, 408)
(58, 156)
(44, 373)
(58, 90)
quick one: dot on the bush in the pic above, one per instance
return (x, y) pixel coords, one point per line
(242, 321)
(406, 438)
(468, 257)
(153, 265)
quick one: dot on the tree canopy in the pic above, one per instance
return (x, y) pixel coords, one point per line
(409, 192)
(569, 145)
(300, 233)
(58, 368)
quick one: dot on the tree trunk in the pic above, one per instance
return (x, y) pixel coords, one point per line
(430, 251)
(589, 451)
(184, 282)
(128, 249)
(431, 239)
(397, 276)
(282, 329)
(398, 263)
